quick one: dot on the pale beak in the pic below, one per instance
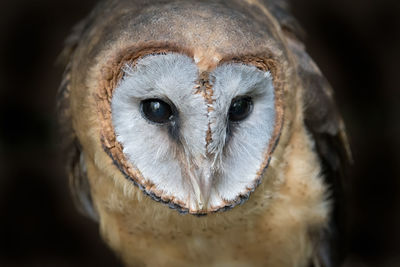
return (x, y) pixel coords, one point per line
(202, 180)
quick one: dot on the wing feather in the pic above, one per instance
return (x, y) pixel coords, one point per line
(72, 151)
(327, 128)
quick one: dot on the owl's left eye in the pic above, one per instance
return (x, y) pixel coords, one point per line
(240, 108)
(156, 110)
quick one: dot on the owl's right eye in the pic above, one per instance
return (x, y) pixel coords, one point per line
(156, 110)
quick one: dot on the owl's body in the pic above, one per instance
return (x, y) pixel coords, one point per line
(283, 221)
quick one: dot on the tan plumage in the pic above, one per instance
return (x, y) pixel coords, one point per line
(283, 222)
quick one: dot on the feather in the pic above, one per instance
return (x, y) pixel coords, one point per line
(290, 202)
(71, 148)
(326, 125)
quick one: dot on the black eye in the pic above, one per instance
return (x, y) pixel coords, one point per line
(156, 110)
(240, 108)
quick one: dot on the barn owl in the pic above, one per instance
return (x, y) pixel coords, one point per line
(200, 133)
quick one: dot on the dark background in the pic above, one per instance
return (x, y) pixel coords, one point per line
(356, 43)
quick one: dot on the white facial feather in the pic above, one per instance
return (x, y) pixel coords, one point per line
(240, 157)
(148, 146)
(226, 167)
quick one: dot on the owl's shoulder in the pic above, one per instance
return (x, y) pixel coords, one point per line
(325, 124)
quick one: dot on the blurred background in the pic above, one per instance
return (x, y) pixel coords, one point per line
(356, 44)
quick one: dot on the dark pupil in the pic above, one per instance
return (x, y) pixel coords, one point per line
(240, 109)
(156, 110)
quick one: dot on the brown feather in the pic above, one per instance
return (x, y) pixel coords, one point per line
(70, 146)
(327, 128)
(277, 226)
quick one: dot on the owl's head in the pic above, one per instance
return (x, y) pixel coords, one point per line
(197, 140)
(189, 114)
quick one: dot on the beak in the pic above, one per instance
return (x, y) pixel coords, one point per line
(202, 179)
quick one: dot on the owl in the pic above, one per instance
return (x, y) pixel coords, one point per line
(200, 133)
